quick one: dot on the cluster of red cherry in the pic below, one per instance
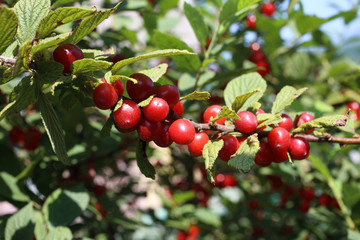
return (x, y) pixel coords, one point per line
(258, 57)
(268, 9)
(29, 139)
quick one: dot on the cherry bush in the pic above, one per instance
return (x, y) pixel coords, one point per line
(126, 131)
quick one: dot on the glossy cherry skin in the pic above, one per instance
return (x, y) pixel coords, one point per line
(16, 135)
(353, 105)
(299, 148)
(279, 139)
(119, 87)
(231, 145)
(178, 109)
(286, 122)
(156, 110)
(169, 93)
(148, 130)
(213, 111)
(257, 56)
(128, 115)
(248, 122)
(141, 90)
(225, 180)
(264, 67)
(66, 54)
(307, 194)
(279, 157)
(268, 9)
(303, 118)
(197, 145)
(251, 21)
(182, 131)
(324, 199)
(163, 139)
(264, 157)
(105, 96)
(32, 139)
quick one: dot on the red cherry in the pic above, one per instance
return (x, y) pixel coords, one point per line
(264, 67)
(251, 21)
(304, 206)
(275, 181)
(16, 135)
(264, 157)
(335, 204)
(193, 232)
(219, 180)
(280, 157)
(354, 106)
(32, 139)
(105, 96)
(156, 110)
(324, 199)
(241, 140)
(119, 87)
(299, 148)
(230, 147)
(66, 54)
(213, 111)
(257, 56)
(163, 139)
(229, 180)
(286, 122)
(182, 131)
(268, 9)
(178, 109)
(169, 93)
(125, 130)
(117, 57)
(197, 145)
(141, 90)
(304, 118)
(147, 130)
(181, 235)
(248, 122)
(253, 204)
(307, 194)
(128, 115)
(279, 139)
(98, 190)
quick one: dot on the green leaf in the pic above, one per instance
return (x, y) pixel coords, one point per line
(23, 59)
(226, 112)
(240, 100)
(62, 2)
(245, 155)
(206, 216)
(27, 171)
(200, 96)
(10, 188)
(8, 23)
(89, 65)
(98, 54)
(292, 5)
(60, 16)
(159, 53)
(182, 197)
(87, 25)
(353, 235)
(49, 42)
(63, 206)
(323, 122)
(244, 84)
(40, 225)
(297, 66)
(50, 72)
(53, 128)
(155, 73)
(118, 104)
(267, 119)
(285, 97)
(59, 233)
(105, 131)
(30, 13)
(321, 167)
(114, 78)
(210, 153)
(197, 23)
(21, 224)
(228, 9)
(143, 162)
(145, 102)
(189, 63)
(307, 23)
(351, 194)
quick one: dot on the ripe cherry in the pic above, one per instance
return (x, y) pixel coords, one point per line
(32, 139)
(163, 139)
(197, 145)
(307, 194)
(128, 115)
(182, 131)
(231, 145)
(156, 110)
(280, 157)
(257, 56)
(354, 106)
(248, 122)
(169, 93)
(304, 206)
(213, 111)
(265, 156)
(117, 57)
(178, 109)
(299, 148)
(286, 122)
(268, 9)
(253, 204)
(264, 67)
(147, 130)
(141, 90)
(105, 96)
(303, 118)
(251, 21)
(279, 139)
(324, 199)
(16, 135)
(66, 54)
(119, 87)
